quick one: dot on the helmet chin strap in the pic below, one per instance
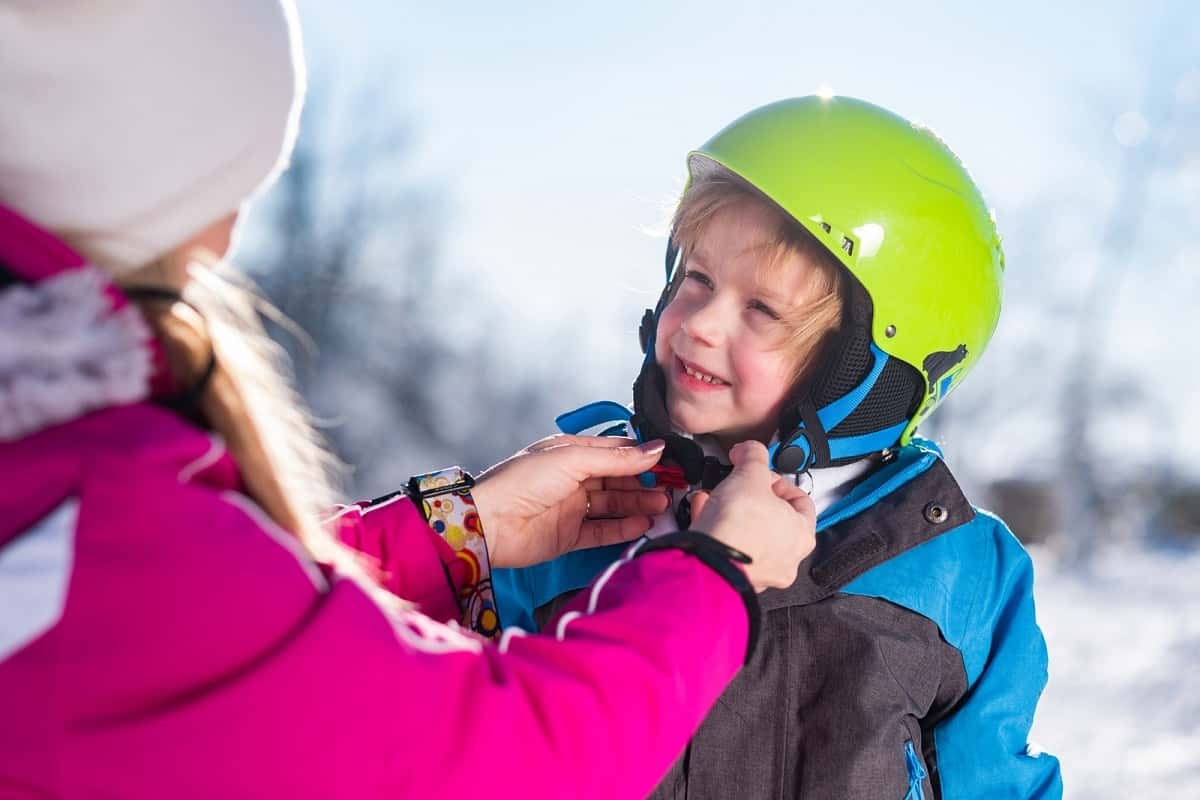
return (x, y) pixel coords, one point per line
(858, 403)
(651, 421)
(650, 418)
(803, 439)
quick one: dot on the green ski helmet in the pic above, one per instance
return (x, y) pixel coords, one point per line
(899, 211)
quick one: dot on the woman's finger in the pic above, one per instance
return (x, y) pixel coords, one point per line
(625, 484)
(618, 484)
(599, 532)
(561, 439)
(804, 505)
(545, 444)
(605, 461)
(625, 503)
(786, 488)
(697, 501)
(749, 455)
(796, 497)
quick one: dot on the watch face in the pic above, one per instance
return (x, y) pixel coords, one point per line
(451, 479)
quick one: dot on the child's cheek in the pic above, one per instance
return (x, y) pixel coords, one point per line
(763, 375)
(668, 323)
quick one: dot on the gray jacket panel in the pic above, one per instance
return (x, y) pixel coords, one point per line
(840, 684)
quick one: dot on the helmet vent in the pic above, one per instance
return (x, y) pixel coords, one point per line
(825, 226)
(848, 246)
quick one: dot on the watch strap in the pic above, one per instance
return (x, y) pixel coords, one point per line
(445, 501)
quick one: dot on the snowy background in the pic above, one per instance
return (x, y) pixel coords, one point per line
(474, 222)
(1122, 709)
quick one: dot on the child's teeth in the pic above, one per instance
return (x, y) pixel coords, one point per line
(699, 375)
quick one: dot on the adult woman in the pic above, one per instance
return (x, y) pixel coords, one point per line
(177, 617)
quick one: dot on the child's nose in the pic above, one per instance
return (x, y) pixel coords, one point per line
(704, 324)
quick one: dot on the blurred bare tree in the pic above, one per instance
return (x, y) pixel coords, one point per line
(1053, 397)
(382, 352)
(1158, 136)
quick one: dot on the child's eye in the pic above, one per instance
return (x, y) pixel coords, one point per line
(758, 305)
(698, 276)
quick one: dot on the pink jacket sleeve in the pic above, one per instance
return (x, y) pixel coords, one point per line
(598, 707)
(406, 556)
(202, 654)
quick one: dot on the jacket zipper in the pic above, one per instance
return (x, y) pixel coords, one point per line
(916, 773)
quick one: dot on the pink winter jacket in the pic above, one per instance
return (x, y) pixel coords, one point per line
(160, 637)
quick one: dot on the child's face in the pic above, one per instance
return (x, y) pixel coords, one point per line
(724, 324)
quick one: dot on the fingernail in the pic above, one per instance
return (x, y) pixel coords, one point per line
(652, 446)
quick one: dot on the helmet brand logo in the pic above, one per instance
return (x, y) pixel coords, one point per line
(938, 368)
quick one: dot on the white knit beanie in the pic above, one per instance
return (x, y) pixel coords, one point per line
(129, 126)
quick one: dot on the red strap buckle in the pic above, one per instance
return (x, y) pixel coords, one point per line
(669, 475)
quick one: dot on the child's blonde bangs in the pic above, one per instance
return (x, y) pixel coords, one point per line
(716, 189)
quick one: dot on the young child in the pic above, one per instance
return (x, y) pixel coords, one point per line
(833, 273)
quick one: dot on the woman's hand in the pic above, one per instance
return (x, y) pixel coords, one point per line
(764, 515)
(564, 493)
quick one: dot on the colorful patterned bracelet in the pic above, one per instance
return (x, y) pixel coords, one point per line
(444, 498)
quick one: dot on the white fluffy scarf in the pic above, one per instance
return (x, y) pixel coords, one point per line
(64, 351)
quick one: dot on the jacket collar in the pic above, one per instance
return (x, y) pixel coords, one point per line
(902, 505)
(71, 343)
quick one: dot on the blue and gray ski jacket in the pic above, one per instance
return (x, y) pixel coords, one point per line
(904, 662)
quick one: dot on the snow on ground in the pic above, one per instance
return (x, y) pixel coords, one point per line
(1122, 709)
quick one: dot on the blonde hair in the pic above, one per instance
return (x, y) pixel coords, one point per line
(714, 189)
(249, 401)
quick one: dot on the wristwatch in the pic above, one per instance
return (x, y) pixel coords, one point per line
(444, 499)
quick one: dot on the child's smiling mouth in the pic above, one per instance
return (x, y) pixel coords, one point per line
(692, 377)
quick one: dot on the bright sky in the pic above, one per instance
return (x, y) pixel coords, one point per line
(562, 127)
